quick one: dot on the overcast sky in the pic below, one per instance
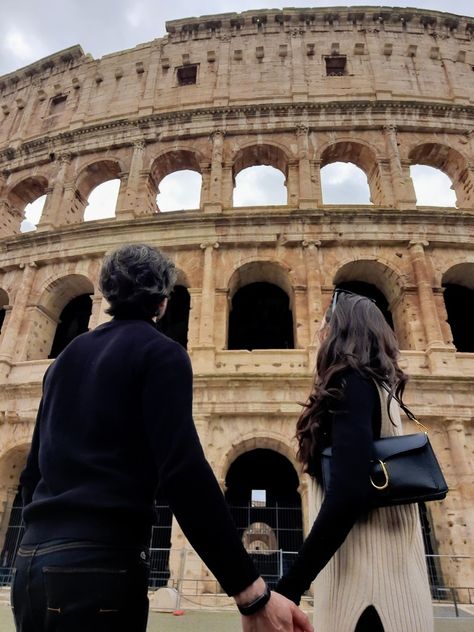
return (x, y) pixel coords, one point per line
(32, 29)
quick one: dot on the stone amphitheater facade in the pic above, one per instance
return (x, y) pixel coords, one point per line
(216, 95)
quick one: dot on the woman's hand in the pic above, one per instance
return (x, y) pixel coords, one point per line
(279, 615)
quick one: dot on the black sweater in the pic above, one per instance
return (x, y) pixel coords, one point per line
(115, 420)
(354, 423)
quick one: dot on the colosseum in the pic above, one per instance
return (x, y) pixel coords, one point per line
(296, 90)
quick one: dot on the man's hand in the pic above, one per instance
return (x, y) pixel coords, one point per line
(279, 615)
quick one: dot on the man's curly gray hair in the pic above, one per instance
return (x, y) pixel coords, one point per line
(135, 279)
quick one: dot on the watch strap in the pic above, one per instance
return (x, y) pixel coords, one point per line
(257, 604)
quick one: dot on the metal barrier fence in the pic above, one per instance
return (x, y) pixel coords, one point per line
(272, 564)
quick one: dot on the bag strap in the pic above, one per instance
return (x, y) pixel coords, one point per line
(405, 409)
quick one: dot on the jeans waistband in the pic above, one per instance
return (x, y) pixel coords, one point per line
(30, 550)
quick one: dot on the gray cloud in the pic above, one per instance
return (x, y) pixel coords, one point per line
(30, 29)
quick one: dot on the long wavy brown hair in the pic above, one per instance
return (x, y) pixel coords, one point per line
(355, 335)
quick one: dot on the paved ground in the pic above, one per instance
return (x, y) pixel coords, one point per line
(225, 622)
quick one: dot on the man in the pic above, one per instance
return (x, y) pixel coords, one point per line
(115, 420)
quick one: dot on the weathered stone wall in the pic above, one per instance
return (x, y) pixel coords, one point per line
(69, 123)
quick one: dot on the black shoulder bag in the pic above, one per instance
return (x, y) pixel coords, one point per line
(404, 469)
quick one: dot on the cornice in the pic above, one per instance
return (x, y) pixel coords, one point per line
(149, 127)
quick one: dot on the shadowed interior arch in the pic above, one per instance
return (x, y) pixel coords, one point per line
(273, 523)
(458, 283)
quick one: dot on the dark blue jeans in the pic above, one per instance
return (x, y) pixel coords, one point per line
(65, 586)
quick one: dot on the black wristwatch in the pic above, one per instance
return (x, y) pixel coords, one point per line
(257, 604)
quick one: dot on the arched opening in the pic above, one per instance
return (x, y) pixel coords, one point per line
(12, 527)
(174, 323)
(458, 283)
(432, 186)
(102, 201)
(262, 494)
(89, 191)
(73, 321)
(344, 183)
(3, 304)
(26, 201)
(451, 163)
(260, 318)
(177, 180)
(260, 186)
(180, 191)
(260, 173)
(372, 292)
(32, 214)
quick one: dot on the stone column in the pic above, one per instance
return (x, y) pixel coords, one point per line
(206, 325)
(307, 197)
(292, 183)
(458, 450)
(194, 318)
(403, 191)
(307, 491)
(51, 216)
(215, 197)
(428, 310)
(300, 317)
(227, 184)
(205, 199)
(315, 174)
(98, 315)
(314, 296)
(130, 203)
(222, 317)
(10, 334)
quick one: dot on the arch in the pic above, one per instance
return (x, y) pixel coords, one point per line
(173, 160)
(373, 278)
(170, 162)
(273, 520)
(97, 172)
(458, 283)
(261, 270)
(25, 192)
(384, 275)
(250, 441)
(449, 161)
(12, 462)
(363, 156)
(254, 154)
(46, 318)
(344, 183)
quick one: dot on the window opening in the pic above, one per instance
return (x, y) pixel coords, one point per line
(58, 104)
(102, 201)
(432, 186)
(344, 183)
(335, 65)
(32, 215)
(187, 75)
(459, 302)
(371, 291)
(259, 497)
(261, 185)
(180, 190)
(174, 322)
(74, 320)
(271, 532)
(260, 318)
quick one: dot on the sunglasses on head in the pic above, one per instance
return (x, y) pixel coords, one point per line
(337, 293)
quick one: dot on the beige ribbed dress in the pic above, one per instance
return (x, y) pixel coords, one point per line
(381, 563)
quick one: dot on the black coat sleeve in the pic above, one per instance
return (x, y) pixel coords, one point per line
(185, 477)
(347, 497)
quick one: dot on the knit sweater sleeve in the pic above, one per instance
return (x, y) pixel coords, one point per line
(347, 497)
(184, 475)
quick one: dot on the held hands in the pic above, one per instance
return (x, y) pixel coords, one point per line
(279, 615)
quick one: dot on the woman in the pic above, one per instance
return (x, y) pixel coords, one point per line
(370, 566)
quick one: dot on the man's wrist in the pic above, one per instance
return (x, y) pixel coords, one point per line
(253, 598)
